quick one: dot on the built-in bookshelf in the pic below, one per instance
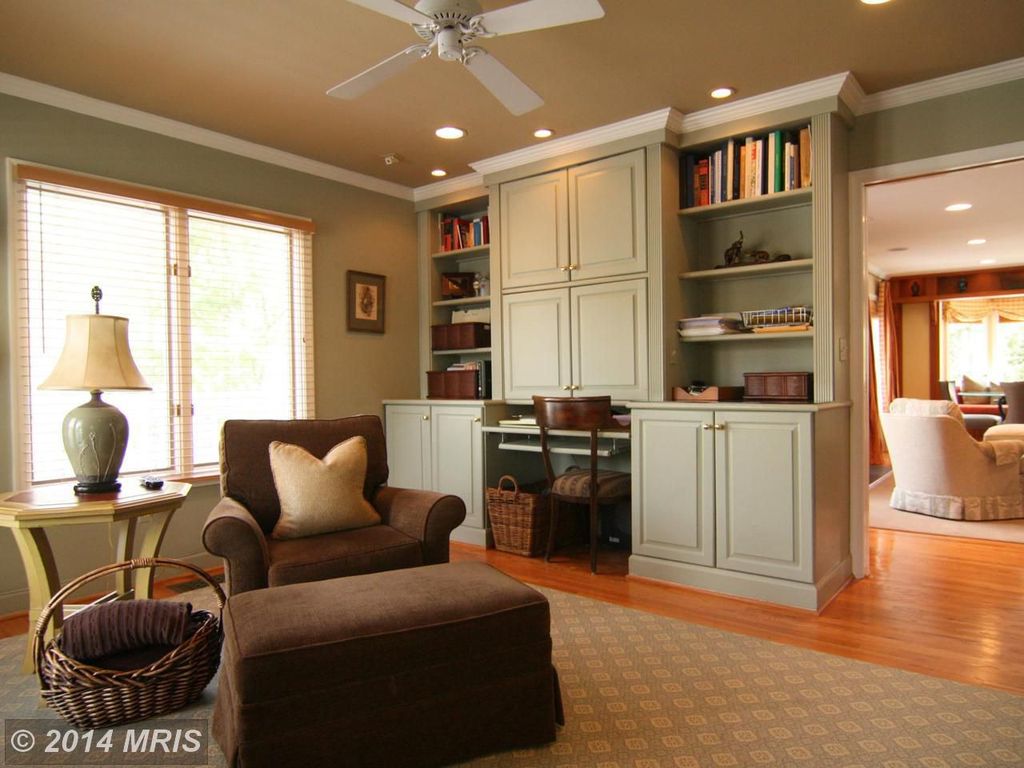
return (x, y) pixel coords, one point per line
(457, 276)
(752, 230)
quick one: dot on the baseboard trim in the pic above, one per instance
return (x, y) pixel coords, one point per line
(481, 537)
(810, 597)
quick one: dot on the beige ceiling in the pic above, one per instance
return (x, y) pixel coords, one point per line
(259, 69)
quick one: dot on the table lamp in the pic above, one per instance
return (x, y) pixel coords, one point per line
(95, 358)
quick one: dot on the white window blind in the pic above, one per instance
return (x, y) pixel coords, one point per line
(219, 302)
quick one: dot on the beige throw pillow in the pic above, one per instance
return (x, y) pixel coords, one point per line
(320, 496)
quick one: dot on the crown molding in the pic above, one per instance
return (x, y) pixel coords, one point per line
(652, 121)
(134, 118)
(753, 106)
(968, 80)
(447, 187)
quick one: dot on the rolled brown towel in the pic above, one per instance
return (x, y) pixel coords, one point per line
(124, 625)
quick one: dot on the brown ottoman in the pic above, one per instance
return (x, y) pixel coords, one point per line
(417, 667)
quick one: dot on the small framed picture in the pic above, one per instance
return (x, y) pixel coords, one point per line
(365, 302)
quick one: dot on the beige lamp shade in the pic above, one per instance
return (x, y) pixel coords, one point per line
(96, 356)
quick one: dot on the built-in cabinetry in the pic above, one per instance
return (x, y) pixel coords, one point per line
(578, 237)
(587, 340)
(579, 223)
(440, 448)
(742, 499)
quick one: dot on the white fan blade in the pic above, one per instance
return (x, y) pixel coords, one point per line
(499, 80)
(395, 10)
(364, 81)
(539, 14)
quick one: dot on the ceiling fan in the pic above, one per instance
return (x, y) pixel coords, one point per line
(451, 25)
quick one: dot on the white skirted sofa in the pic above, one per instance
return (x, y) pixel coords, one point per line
(940, 470)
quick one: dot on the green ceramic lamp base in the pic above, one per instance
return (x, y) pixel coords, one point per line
(95, 438)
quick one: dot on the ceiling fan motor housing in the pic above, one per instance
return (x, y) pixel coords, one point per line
(449, 12)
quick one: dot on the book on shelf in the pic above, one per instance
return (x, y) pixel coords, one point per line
(751, 166)
(456, 233)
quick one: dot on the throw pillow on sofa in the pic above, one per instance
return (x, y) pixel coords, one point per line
(320, 496)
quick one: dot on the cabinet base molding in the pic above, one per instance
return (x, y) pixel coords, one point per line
(811, 597)
(467, 534)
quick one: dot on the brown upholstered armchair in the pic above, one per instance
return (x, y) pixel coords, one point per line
(414, 530)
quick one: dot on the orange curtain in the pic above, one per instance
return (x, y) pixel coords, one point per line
(878, 454)
(890, 342)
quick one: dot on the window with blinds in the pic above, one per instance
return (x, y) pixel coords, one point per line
(219, 302)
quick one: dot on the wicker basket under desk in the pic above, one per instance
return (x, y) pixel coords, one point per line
(92, 697)
(519, 518)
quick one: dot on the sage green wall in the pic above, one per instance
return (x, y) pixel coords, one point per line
(356, 229)
(985, 117)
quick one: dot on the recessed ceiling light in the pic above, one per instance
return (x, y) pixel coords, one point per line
(958, 207)
(874, 2)
(987, 261)
(439, 172)
(543, 133)
(977, 241)
(449, 132)
(722, 93)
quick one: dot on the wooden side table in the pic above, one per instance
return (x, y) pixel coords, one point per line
(29, 513)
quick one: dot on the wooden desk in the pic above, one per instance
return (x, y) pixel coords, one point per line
(29, 513)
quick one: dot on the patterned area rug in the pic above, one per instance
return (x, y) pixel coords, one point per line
(644, 691)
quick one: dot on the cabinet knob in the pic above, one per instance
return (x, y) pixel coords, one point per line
(574, 387)
(426, 418)
(720, 427)
(705, 427)
(476, 420)
(566, 388)
(573, 266)
(564, 269)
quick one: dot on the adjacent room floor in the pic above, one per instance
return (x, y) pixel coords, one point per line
(881, 515)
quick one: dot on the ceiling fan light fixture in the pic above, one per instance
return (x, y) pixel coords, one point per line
(954, 207)
(543, 133)
(439, 172)
(986, 262)
(723, 92)
(449, 132)
(977, 241)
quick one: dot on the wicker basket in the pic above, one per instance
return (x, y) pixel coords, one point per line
(519, 519)
(92, 697)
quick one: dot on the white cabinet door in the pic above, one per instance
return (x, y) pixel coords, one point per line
(535, 335)
(458, 462)
(673, 486)
(764, 489)
(608, 217)
(408, 441)
(609, 339)
(534, 231)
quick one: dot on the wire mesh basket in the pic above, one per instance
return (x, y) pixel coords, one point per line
(762, 318)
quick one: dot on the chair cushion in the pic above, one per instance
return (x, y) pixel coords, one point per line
(320, 496)
(913, 407)
(346, 553)
(575, 485)
(970, 385)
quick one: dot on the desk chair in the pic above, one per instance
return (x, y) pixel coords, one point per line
(593, 487)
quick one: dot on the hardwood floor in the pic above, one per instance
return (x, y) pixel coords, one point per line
(952, 608)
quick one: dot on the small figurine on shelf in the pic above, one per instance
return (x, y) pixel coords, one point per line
(481, 284)
(734, 252)
(734, 256)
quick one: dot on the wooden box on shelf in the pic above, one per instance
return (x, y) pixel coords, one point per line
(457, 285)
(778, 386)
(708, 395)
(453, 385)
(460, 336)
